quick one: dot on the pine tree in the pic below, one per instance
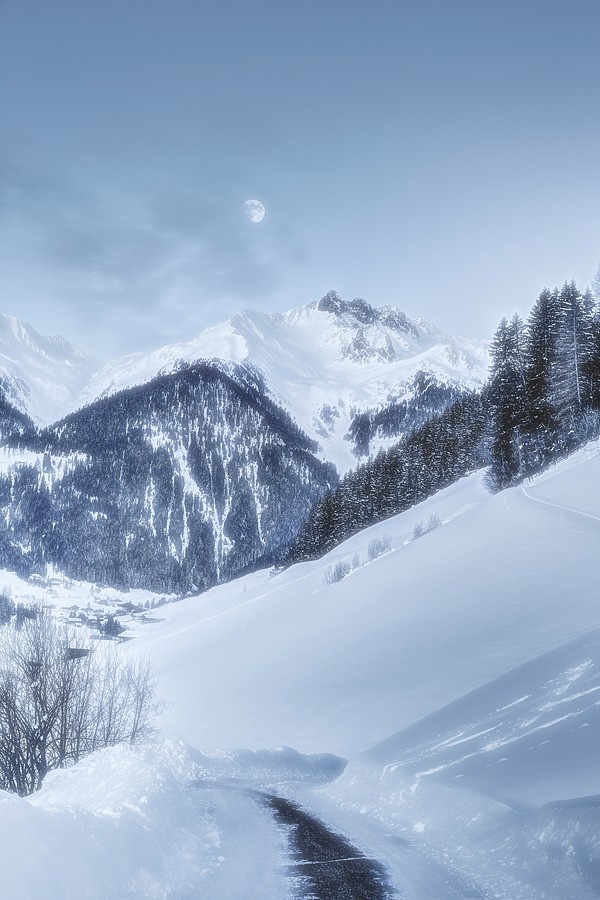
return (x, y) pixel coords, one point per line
(541, 355)
(591, 366)
(575, 343)
(507, 398)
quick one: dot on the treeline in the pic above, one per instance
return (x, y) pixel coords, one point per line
(541, 402)
(425, 461)
(429, 397)
(544, 386)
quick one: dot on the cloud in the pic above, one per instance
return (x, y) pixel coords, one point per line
(159, 262)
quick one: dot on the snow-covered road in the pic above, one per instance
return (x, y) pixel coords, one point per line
(324, 865)
(276, 847)
(273, 847)
(413, 869)
(249, 856)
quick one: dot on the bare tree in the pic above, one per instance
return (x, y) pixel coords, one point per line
(62, 695)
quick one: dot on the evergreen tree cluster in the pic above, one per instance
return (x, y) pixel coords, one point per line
(428, 459)
(544, 386)
(12, 420)
(428, 396)
(541, 402)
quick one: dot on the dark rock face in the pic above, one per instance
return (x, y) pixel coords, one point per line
(365, 314)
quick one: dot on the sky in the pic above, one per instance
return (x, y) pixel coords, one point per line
(440, 156)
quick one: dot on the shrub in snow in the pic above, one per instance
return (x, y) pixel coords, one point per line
(378, 546)
(61, 697)
(423, 527)
(335, 573)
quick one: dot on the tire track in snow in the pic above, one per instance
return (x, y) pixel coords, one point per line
(570, 509)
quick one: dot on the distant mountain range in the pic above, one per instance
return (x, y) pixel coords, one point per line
(325, 363)
(181, 468)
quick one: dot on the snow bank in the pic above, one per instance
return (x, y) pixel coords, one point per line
(487, 781)
(291, 660)
(267, 768)
(551, 853)
(116, 825)
(426, 830)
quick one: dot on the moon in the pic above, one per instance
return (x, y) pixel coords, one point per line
(254, 210)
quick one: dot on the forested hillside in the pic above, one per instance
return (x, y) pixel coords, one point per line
(430, 458)
(427, 396)
(541, 402)
(173, 486)
(544, 387)
(12, 420)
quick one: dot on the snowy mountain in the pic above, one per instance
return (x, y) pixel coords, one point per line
(351, 375)
(325, 363)
(175, 485)
(41, 376)
(458, 672)
(181, 468)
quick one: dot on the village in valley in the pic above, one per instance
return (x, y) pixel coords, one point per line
(107, 613)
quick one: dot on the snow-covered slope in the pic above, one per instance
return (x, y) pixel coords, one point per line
(323, 362)
(460, 670)
(42, 376)
(288, 658)
(338, 668)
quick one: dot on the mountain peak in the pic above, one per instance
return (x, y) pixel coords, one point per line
(365, 314)
(41, 376)
(324, 362)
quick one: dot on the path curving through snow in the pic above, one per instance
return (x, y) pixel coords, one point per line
(324, 864)
(273, 847)
(569, 509)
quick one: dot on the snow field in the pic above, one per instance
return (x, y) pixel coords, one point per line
(265, 661)
(459, 672)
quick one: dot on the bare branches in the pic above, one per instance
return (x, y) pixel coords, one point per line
(62, 696)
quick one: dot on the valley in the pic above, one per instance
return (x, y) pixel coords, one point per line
(411, 714)
(467, 716)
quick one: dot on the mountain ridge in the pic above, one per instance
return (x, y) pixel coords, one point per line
(324, 362)
(41, 376)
